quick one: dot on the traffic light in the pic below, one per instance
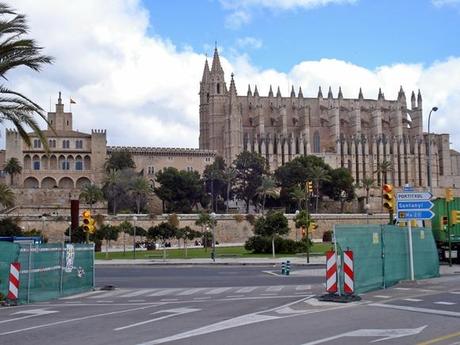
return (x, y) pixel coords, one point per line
(388, 197)
(309, 186)
(88, 222)
(449, 194)
(455, 217)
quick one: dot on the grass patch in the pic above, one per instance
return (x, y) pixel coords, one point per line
(201, 253)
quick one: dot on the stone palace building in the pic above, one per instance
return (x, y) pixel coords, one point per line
(358, 134)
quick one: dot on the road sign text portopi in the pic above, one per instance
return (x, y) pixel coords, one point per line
(414, 205)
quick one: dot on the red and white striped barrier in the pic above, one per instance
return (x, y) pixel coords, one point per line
(13, 290)
(331, 272)
(348, 273)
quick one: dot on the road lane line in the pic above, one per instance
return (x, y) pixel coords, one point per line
(417, 310)
(81, 295)
(303, 287)
(439, 339)
(412, 300)
(201, 298)
(190, 291)
(274, 288)
(444, 303)
(382, 296)
(218, 291)
(164, 292)
(235, 296)
(76, 319)
(246, 289)
(169, 299)
(136, 293)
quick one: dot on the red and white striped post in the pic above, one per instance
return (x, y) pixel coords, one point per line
(13, 289)
(348, 272)
(331, 272)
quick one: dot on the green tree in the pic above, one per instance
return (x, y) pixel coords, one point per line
(267, 188)
(91, 194)
(140, 189)
(164, 232)
(229, 175)
(181, 191)
(9, 227)
(249, 167)
(340, 186)
(18, 51)
(318, 175)
(108, 233)
(12, 167)
(367, 183)
(298, 194)
(383, 168)
(188, 234)
(274, 224)
(120, 160)
(215, 182)
(113, 189)
(7, 197)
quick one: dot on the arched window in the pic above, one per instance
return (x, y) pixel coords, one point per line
(78, 164)
(36, 163)
(316, 142)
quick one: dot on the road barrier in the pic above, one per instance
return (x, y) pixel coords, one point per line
(348, 281)
(48, 271)
(285, 268)
(13, 289)
(331, 272)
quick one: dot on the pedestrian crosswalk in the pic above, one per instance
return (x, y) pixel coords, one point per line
(207, 292)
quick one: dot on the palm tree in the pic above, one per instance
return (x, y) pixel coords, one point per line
(298, 194)
(91, 194)
(318, 175)
(267, 188)
(113, 188)
(17, 51)
(367, 183)
(12, 167)
(140, 188)
(382, 170)
(6, 196)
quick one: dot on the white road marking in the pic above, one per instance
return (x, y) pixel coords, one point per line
(246, 289)
(31, 313)
(385, 333)
(76, 319)
(274, 288)
(169, 299)
(419, 310)
(382, 296)
(455, 292)
(190, 291)
(403, 289)
(242, 320)
(303, 287)
(73, 302)
(272, 273)
(174, 312)
(201, 298)
(444, 303)
(136, 300)
(164, 292)
(104, 301)
(137, 293)
(218, 291)
(81, 295)
(412, 300)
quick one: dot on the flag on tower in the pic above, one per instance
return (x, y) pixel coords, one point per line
(72, 101)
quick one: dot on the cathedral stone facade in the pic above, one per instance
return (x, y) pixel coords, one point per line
(358, 134)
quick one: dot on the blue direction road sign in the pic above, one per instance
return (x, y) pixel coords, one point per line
(414, 205)
(414, 196)
(417, 214)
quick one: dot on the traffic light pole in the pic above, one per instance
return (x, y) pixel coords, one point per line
(411, 252)
(449, 222)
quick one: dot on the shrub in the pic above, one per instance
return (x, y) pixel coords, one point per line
(327, 236)
(263, 245)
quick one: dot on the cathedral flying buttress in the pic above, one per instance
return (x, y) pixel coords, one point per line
(373, 138)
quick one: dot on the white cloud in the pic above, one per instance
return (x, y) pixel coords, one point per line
(440, 3)
(241, 10)
(143, 89)
(249, 42)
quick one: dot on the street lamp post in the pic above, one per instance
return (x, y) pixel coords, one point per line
(430, 184)
(213, 219)
(70, 232)
(296, 232)
(134, 237)
(367, 208)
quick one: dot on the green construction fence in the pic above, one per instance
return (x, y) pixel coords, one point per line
(381, 254)
(48, 271)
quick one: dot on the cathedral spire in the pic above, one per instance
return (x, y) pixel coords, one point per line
(270, 92)
(329, 94)
(292, 91)
(206, 72)
(419, 99)
(300, 94)
(360, 95)
(340, 95)
(380, 96)
(320, 93)
(216, 66)
(256, 92)
(401, 95)
(249, 90)
(232, 86)
(278, 92)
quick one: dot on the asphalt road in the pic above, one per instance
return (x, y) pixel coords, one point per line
(244, 305)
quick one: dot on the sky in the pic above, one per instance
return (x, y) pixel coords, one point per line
(134, 66)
